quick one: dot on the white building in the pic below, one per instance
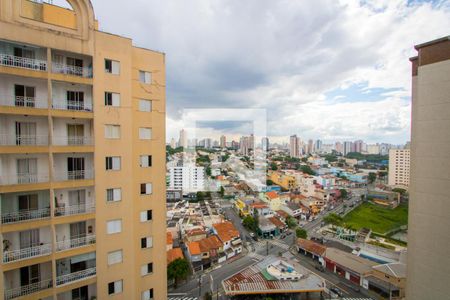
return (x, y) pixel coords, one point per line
(294, 150)
(399, 167)
(189, 179)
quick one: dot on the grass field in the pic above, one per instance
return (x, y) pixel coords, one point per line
(379, 219)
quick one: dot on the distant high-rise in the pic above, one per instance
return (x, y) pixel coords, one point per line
(251, 142)
(338, 147)
(173, 143)
(310, 147)
(294, 146)
(265, 143)
(428, 274)
(182, 141)
(373, 149)
(223, 141)
(358, 146)
(318, 146)
(399, 167)
(244, 145)
(348, 147)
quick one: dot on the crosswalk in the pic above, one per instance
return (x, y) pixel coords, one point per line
(262, 244)
(256, 256)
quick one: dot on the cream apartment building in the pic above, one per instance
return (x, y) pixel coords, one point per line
(82, 158)
(428, 268)
(399, 167)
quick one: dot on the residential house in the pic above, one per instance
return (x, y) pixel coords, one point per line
(266, 228)
(230, 237)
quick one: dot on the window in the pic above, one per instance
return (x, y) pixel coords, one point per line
(146, 188)
(146, 242)
(112, 131)
(145, 105)
(145, 77)
(145, 133)
(112, 99)
(112, 67)
(146, 215)
(146, 269)
(115, 287)
(146, 161)
(114, 257)
(147, 295)
(113, 163)
(113, 195)
(114, 226)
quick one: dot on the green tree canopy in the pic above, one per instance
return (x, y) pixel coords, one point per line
(301, 233)
(178, 269)
(307, 169)
(372, 177)
(344, 193)
(250, 223)
(291, 222)
(333, 219)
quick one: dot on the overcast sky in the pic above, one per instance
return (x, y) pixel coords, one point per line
(322, 69)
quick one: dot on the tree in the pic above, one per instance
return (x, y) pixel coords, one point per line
(250, 223)
(291, 222)
(333, 219)
(307, 169)
(178, 269)
(400, 191)
(372, 177)
(269, 182)
(301, 233)
(222, 191)
(344, 193)
(273, 166)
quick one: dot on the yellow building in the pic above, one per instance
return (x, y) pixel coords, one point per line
(287, 182)
(82, 158)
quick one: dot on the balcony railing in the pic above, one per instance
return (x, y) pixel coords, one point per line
(63, 279)
(23, 140)
(74, 175)
(72, 105)
(28, 289)
(25, 215)
(71, 70)
(75, 243)
(20, 254)
(21, 101)
(73, 140)
(23, 179)
(22, 62)
(75, 209)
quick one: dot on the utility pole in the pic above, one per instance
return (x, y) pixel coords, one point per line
(267, 248)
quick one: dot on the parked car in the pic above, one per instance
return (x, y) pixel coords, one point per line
(336, 291)
(320, 268)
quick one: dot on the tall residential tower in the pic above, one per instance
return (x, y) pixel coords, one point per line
(82, 158)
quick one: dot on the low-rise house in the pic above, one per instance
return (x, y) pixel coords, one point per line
(230, 238)
(194, 255)
(278, 223)
(273, 200)
(169, 241)
(210, 248)
(260, 208)
(266, 228)
(387, 279)
(174, 254)
(194, 235)
(282, 215)
(293, 209)
(312, 249)
(384, 198)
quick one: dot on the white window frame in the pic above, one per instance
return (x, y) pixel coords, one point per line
(145, 133)
(145, 105)
(148, 188)
(115, 163)
(145, 271)
(115, 257)
(116, 194)
(148, 242)
(112, 131)
(145, 77)
(114, 226)
(115, 99)
(145, 161)
(115, 67)
(147, 295)
(144, 216)
(118, 287)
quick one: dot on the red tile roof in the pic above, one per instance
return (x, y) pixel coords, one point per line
(277, 222)
(210, 243)
(226, 231)
(311, 247)
(194, 248)
(169, 238)
(272, 195)
(173, 254)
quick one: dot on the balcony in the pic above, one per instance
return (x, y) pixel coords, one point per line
(80, 275)
(73, 70)
(24, 178)
(72, 105)
(75, 243)
(26, 253)
(63, 210)
(25, 215)
(23, 140)
(28, 289)
(27, 280)
(22, 101)
(22, 62)
(74, 175)
(73, 141)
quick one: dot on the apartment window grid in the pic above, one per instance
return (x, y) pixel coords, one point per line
(147, 242)
(146, 216)
(146, 188)
(146, 269)
(147, 295)
(145, 133)
(145, 105)
(112, 131)
(112, 99)
(145, 77)
(115, 257)
(114, 226)
(145, 161)
(112, 66)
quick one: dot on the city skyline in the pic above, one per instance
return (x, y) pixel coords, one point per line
(327, 72)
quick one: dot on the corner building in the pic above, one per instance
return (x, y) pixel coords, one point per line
(82, 158)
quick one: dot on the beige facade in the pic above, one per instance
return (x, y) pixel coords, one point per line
(82, 158)
(399, 167)
(428, 272)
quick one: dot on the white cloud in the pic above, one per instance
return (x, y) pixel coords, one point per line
(284, 56)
